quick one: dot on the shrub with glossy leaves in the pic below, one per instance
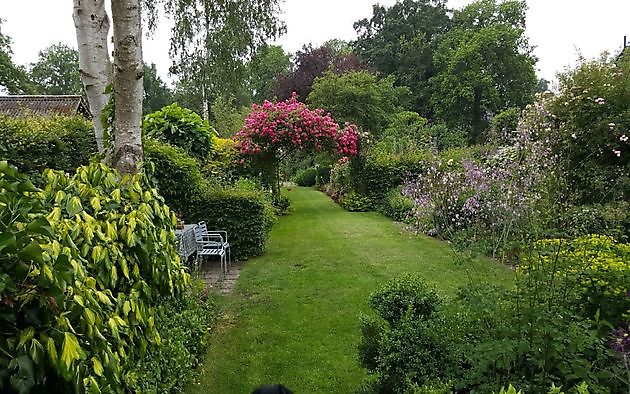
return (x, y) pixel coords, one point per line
(83, 262)
(180, 127)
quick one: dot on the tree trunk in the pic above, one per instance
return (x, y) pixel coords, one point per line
(92, 26)
(128, 73)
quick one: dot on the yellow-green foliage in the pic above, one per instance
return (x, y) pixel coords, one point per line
(222, 159)
(83, 262)
(597, 264)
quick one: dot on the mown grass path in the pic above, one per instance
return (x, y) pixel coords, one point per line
(293, 317)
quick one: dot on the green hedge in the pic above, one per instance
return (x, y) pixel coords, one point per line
(306, 177)
(246, 215)
(176, 174)
(36, 143)
(381, 174)
(244, 210)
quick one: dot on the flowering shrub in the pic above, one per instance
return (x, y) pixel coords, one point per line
(497, 197)
(289, 125)
(272, 130)
(591, 130)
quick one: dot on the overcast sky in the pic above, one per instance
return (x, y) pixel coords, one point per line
(559, 29)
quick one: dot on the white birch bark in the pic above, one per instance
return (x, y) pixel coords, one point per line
(92, 27)
(128, 90)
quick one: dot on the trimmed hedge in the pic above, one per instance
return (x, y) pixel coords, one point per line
(244, 211)
(382, 174)
(176, 174)
(36, 143)
(306, 177)
(246, 215)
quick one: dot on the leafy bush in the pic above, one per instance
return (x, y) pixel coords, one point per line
(183, 326)
(595, 268)
(405, 297)
(448, 138)
(176, 174)
(355, 202)
(180, 127)
(397, 206)
(281, 203)
(34, 144)
(407, 132)
(83, 261)
(591, 119)
(406, 349)
(307, 177)
(383, 171)
(221, 166)
(247, 215)
(503, 125)
(340, 180)
(553, 328)
(611, 219)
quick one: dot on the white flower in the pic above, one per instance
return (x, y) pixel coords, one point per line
(600, 101)
(449, 162)
(617, 152)
(623, 138)
(573, 136)
(611, 125)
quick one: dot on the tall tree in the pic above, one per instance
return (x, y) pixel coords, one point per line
(269, 62)
(310, 63)
(92, 27)
(400, 41)
(156, 93)
(484, 65)
(128, 89)
(57, 71)
(13, 78)
(213, 40)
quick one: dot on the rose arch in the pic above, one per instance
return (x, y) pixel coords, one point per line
(273, 130)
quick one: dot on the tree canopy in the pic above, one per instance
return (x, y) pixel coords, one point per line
(56, 71)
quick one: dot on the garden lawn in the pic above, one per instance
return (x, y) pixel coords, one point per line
(294, 315)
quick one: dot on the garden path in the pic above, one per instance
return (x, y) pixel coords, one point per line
(293, 317)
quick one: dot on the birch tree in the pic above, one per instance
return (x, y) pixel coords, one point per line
(92, 27)
(128, 89)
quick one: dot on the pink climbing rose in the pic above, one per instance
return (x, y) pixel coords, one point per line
(291, 124)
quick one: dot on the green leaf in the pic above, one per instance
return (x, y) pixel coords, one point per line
(31, 252)
(74, 206)
(26, 336)
(97, 366)
(24, 380)
(6, 239)
(52, 351)
(71, 350)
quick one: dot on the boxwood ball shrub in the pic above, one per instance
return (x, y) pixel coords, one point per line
(84, 262)
(36, 143)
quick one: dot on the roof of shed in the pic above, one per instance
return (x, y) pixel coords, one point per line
(17, 106)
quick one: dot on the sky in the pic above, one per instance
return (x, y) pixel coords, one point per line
(559, 29)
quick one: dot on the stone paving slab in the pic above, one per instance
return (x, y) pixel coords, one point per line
(210, 272)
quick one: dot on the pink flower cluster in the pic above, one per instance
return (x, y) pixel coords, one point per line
(291, 124)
